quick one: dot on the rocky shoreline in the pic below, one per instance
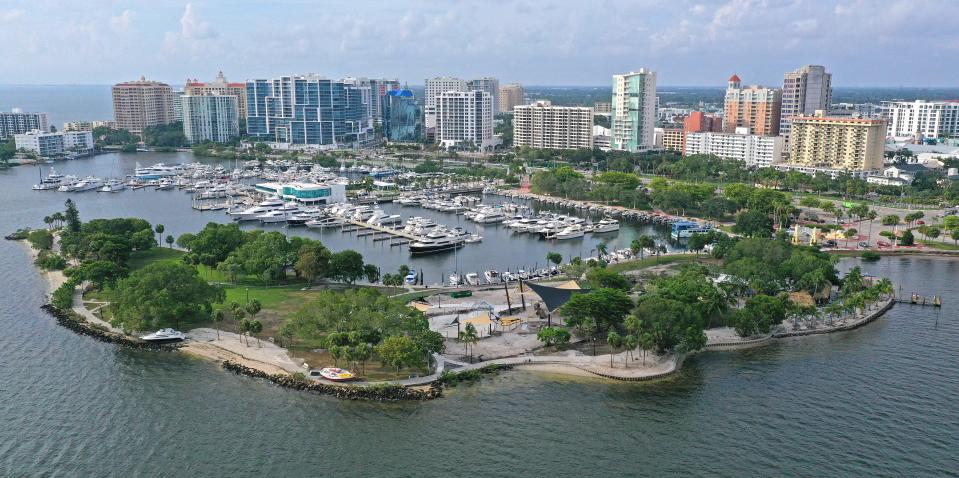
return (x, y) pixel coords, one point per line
(77, 324)
(348, 392)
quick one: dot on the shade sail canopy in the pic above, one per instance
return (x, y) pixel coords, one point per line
(554, 296)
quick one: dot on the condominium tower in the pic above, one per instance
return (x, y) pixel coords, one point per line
(542, 125)
(805, 91)
(17, 122)
(306, 111)
(756, 108)
(210, 117)
(219, 86)
(750, 149)
(489, 85)
(633, 111)
(435, 86)
(929, 119)
(464, 118)
(140, 104)
(510, 96)
(848, 144)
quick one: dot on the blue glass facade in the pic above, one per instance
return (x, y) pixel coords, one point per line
(402, 118)
(306, 111)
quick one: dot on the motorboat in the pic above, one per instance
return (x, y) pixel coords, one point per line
(472, 278)
(88, 183)
(570, 232)
(278, 215)
(304, 216)
(362, 213)
(489, 217)
(606, 225)
(51, 182)
(328, 221)
(164, 335)
(685, 229)
(455, 279)
(410, 278)
(492, 276)
(436, 243)
(251, 213)
(335, 374)
(156, 171)
(113, 186)
(380, 218)
(473, 239)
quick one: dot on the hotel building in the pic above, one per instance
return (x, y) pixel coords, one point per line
(140, 104)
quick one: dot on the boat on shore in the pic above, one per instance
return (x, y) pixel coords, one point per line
(164, 336)
(335, 374)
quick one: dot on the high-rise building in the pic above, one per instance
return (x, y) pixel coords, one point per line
(750, 149)
(17, 122)
(177, 99)
(923, 119)
(210, 117)
(698, 122)
(306, 111)
(848, 144)
(633, 111)
(603, 108)
(219, 86)
(489, 85)
(805, 91)
(50, 145)
(435, 86)
(673, 139)
(140, 104)
(401, 117)
(372, 91)
(464, 118)
(510, 96)
(755, 107)
(542, 125)
(86, 125)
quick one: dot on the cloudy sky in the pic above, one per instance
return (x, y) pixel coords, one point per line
(538, 42)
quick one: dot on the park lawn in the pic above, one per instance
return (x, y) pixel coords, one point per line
(140, 259)
(652, 261)
(942, 246)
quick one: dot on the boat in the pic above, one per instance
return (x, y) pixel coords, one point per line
(571, 232)
(685, 229)
(88, 183)
(492, 276)
(455, 279)
(606, 225)
(51, 182)
(303, 217)
(380, 218)
(113, 186)
(489, 217)
(335, 374)
(437, 241)
(328, 221)
(473, 239)
(251, 213)
(279, 215)
(472, 278)
(410, 278)
(164, 335)
(156, 171)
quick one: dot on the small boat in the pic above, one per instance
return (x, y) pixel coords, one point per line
(337, 374)
(492, 276)
(473, 239)
(164, 335)
(472, 278)
(410, 278)
(325, 222)
(455, 279)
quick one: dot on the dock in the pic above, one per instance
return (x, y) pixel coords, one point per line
(920, 300)
(379, 233)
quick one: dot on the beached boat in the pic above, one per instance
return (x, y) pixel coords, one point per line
(337, 374)
(492, 276)
(164, 335)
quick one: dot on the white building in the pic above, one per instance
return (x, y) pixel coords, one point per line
(922, 119)
(464, 118)
(601, 138)
(750, 149)
(177, 100)
(87, 125)
(542, 125)
(17, 122)
(307, 193)
(210, 118)
(633, 114)
(435, 86)
(50, 145)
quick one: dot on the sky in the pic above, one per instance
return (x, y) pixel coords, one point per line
(541, 42)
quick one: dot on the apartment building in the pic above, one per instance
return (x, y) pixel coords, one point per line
(18, 122)
(750, 149)
(140, 104)
(922, 119)
(805, 91)
(49, 145)
(847, 144)
(757, 108)
(633, 111)
(210, 117)
(219, 86)
(464, 119)
(510, 96)
(435, 86)
(542, 125)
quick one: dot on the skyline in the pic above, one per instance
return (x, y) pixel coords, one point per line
(688, 43)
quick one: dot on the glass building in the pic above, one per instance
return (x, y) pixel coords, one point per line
(307, 110)
(402, 117)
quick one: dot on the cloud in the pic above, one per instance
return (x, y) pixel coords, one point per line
(192, 27)
(11, 15)
(196, 37)
(122, 22)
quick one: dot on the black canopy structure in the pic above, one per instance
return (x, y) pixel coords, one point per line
(554, 296)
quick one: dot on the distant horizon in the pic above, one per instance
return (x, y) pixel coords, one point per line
(718, 87)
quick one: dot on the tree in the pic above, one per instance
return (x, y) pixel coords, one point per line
(159, 230)
(217, 317)
(185, 240)
(169, 241)
(954, 235)
(848, 234)
(641, 244)
(600, 278)
(758, 315)
(162, 293)
(615, 341)
(72, 216)
(253, 307)
(430, 342)
(346, 266)
(255, 327)
(372, 273)
(553, 336)
(671, 324)
(142, 240)
(890, 220)
(469, 337)
(907, 239)
(398, 351)
(601, 308)
(601, 250)
(554, 257)
(753, 223)
(313, 261)
(100, 274)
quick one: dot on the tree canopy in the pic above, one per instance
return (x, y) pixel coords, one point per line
(161, 294)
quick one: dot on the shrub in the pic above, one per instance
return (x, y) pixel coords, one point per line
(870, 256)
(63, 296)
(41, 239)
(50, 262)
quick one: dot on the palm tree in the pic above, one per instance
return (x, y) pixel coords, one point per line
(169, 241)
(469, 336)
(216, 318)
(615, 341)
(601, 250)
(630, 341)
(253, 307)
(255, 327)
(239, 316)
(48, 220)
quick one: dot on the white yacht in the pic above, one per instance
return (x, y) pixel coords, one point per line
(113, 186)
(410, 278)
(489, 217)
(304, 216)
(473, 239)
(380, 218)
(606, 225)
(88, 183)
(436, 241)
(157, 171)
(492, 276)
(251, 213)
(164, 335)
(570, 232)
(328, 221)
(279, 215)
(362, 213)
(472, 278)
(52, 181)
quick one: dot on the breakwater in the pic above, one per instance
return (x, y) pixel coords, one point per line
(73, 321)
(350, 392)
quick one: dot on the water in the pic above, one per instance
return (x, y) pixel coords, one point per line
(62, 103)
(877, 401)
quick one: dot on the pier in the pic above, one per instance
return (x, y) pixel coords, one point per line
(920, 300)
(365, 229)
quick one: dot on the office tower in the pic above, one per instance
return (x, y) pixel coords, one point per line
(922, 119)
(848, 144)
(210, 117)
(464, 119)
(219, 86)
(756, 108)
(435, 86)
(306, 110)
(750, 149)
(633, 111)
(805, 91)
(402, 117)
(372, 91)
(489, 85)
(140, 104)
(17, 122)
(510, 95)
(542, 125)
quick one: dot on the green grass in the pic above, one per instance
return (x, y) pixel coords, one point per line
(942, 246)
(141, 259)
(652, 262)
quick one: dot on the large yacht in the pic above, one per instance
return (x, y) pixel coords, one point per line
(490, 216)
(113, 186)
(251, 213)
(157, 171)
(52, 181)
(88, 183)
(164, 335)
(380, 218)
(279, 215)
(571, 232)
(606, 225)
(328, 221)
(437, 241)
